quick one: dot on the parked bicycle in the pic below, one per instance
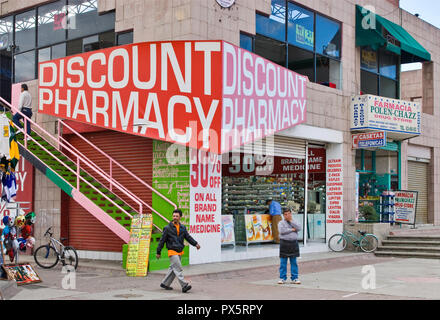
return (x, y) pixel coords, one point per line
(47, 256)
(366, 241)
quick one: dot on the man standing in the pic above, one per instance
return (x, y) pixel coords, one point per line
(275, 213)
(173, 235)
(25, 106)
(289, 248)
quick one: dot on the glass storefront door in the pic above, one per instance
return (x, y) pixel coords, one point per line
(379, 171)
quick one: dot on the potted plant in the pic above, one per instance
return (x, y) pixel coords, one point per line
(369, 214)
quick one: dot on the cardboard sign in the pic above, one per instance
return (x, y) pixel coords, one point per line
(228, 235)
(258, 227)
(208, 95)
(374, 139)
(21, 273)
(405, 206)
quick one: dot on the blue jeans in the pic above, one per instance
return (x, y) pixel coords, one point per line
(17, 117)
(293, 268)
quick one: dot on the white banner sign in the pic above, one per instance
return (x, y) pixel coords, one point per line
(205, 206)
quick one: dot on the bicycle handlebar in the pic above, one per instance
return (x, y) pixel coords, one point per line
(48, 232)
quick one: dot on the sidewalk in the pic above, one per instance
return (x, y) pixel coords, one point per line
(115, 267)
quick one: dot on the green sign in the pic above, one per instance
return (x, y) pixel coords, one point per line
(171, 179)
(304, 36)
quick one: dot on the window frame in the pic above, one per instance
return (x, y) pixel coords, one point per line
(380, 53)
(314, 52)
(37, 47)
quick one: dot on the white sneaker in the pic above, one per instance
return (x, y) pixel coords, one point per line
(296, 281)
(281, 281)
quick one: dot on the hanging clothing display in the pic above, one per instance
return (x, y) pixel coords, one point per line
(9, 184)
(14, 154)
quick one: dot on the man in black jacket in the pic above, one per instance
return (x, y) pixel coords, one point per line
(173, 235)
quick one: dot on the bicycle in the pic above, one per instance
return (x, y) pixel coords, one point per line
(47, 256)
(367, 242)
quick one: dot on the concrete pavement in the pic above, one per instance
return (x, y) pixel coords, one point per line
(326, 275)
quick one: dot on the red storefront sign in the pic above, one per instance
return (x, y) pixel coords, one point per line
(251, 165)
(208, 95)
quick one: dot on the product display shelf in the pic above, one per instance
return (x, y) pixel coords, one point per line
(387, 207)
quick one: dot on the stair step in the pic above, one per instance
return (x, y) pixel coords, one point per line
(416, 237)
(409, 249)
(410, 243)
(407, 254)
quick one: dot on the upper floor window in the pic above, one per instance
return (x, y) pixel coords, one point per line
(380, 73)
(299, 39)
(54, 30)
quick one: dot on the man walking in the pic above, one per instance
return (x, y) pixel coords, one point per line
(25, 106)
(173, 235)
(289, 248)
(275, 213)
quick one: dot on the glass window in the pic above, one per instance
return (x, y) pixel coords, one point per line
(91, 43)
(52, 23)
(275, 25)
(358, 160)
(85, 20)
(24, 66)
(59, 51)
(44, 55)
(125, 38)
(328, 71)
(99, 41)
(25, 31)
(369, 83)
(388, 88)
(368, 160)
(369, 60)
(246, 42)
(6, 29)
(302, 62)
(301, 30)
(328, 37)
(270, 49)
(74, 47)
(106, 40)
(388, 65)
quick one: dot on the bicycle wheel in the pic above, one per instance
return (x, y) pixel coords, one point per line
(369, 243)
(46, 256)
(70, 257)
(337, 242)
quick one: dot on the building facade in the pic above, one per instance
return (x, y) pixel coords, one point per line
(317, 39)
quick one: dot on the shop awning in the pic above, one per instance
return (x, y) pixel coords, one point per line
(406, 45)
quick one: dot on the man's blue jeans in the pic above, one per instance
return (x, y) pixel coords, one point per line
(17, 117)
(293, 268)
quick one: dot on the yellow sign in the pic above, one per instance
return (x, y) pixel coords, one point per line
(139, 245)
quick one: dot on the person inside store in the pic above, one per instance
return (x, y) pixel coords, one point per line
(173, 236)
(289, 248)
(275, 213)
(25, 106)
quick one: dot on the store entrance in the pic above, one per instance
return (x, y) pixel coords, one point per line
(379, 173)
(250, 180)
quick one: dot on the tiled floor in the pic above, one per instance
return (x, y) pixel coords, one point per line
(255, 251)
